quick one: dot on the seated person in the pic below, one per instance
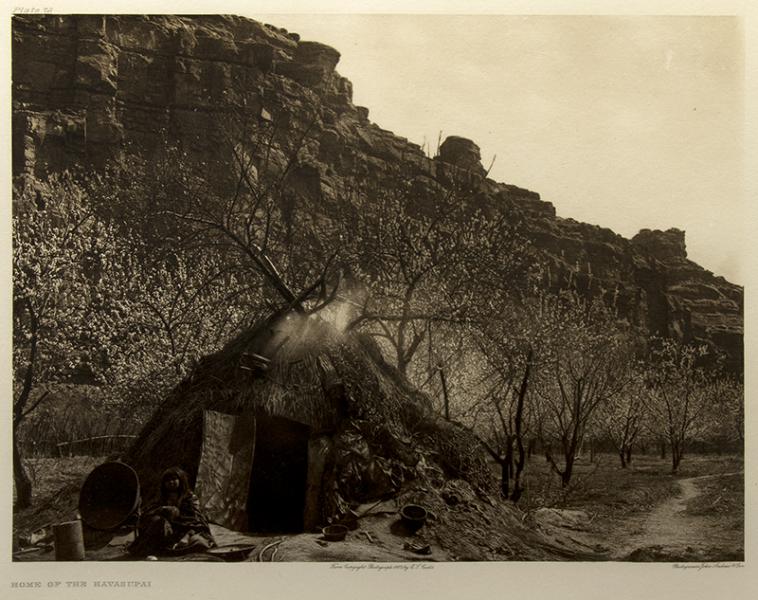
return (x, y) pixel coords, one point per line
(173, 525)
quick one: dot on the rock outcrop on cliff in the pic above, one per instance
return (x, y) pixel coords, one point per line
(86, 88)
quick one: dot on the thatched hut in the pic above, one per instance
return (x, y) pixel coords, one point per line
(292, 422)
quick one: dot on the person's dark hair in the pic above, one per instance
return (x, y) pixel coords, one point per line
(175, 472)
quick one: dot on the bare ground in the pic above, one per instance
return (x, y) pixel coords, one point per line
(671, 532)
(645, 512)
(640, 514)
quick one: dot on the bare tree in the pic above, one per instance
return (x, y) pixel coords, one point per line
(586, 364)
(507, 399)
(678, 390)
(426, 261)
(174, 308)
(62, 280)
(730, 393)
(623, 420)
(245, 214)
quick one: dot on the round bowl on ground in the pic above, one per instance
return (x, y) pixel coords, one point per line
(413, 516)
(334, 533)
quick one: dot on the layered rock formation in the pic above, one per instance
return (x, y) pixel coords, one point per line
(86, 88)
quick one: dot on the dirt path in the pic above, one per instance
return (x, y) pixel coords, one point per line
(669, 533)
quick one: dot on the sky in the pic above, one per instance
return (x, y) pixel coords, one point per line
(624, 122)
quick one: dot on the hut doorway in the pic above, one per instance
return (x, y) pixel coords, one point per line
(276, 499)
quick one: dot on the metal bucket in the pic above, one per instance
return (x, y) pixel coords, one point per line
(69, 541)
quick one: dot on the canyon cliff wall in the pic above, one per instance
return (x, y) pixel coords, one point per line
(86, 88)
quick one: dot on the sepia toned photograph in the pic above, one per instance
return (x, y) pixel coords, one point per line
(378, 289)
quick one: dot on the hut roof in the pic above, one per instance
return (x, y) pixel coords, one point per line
(304, 369)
